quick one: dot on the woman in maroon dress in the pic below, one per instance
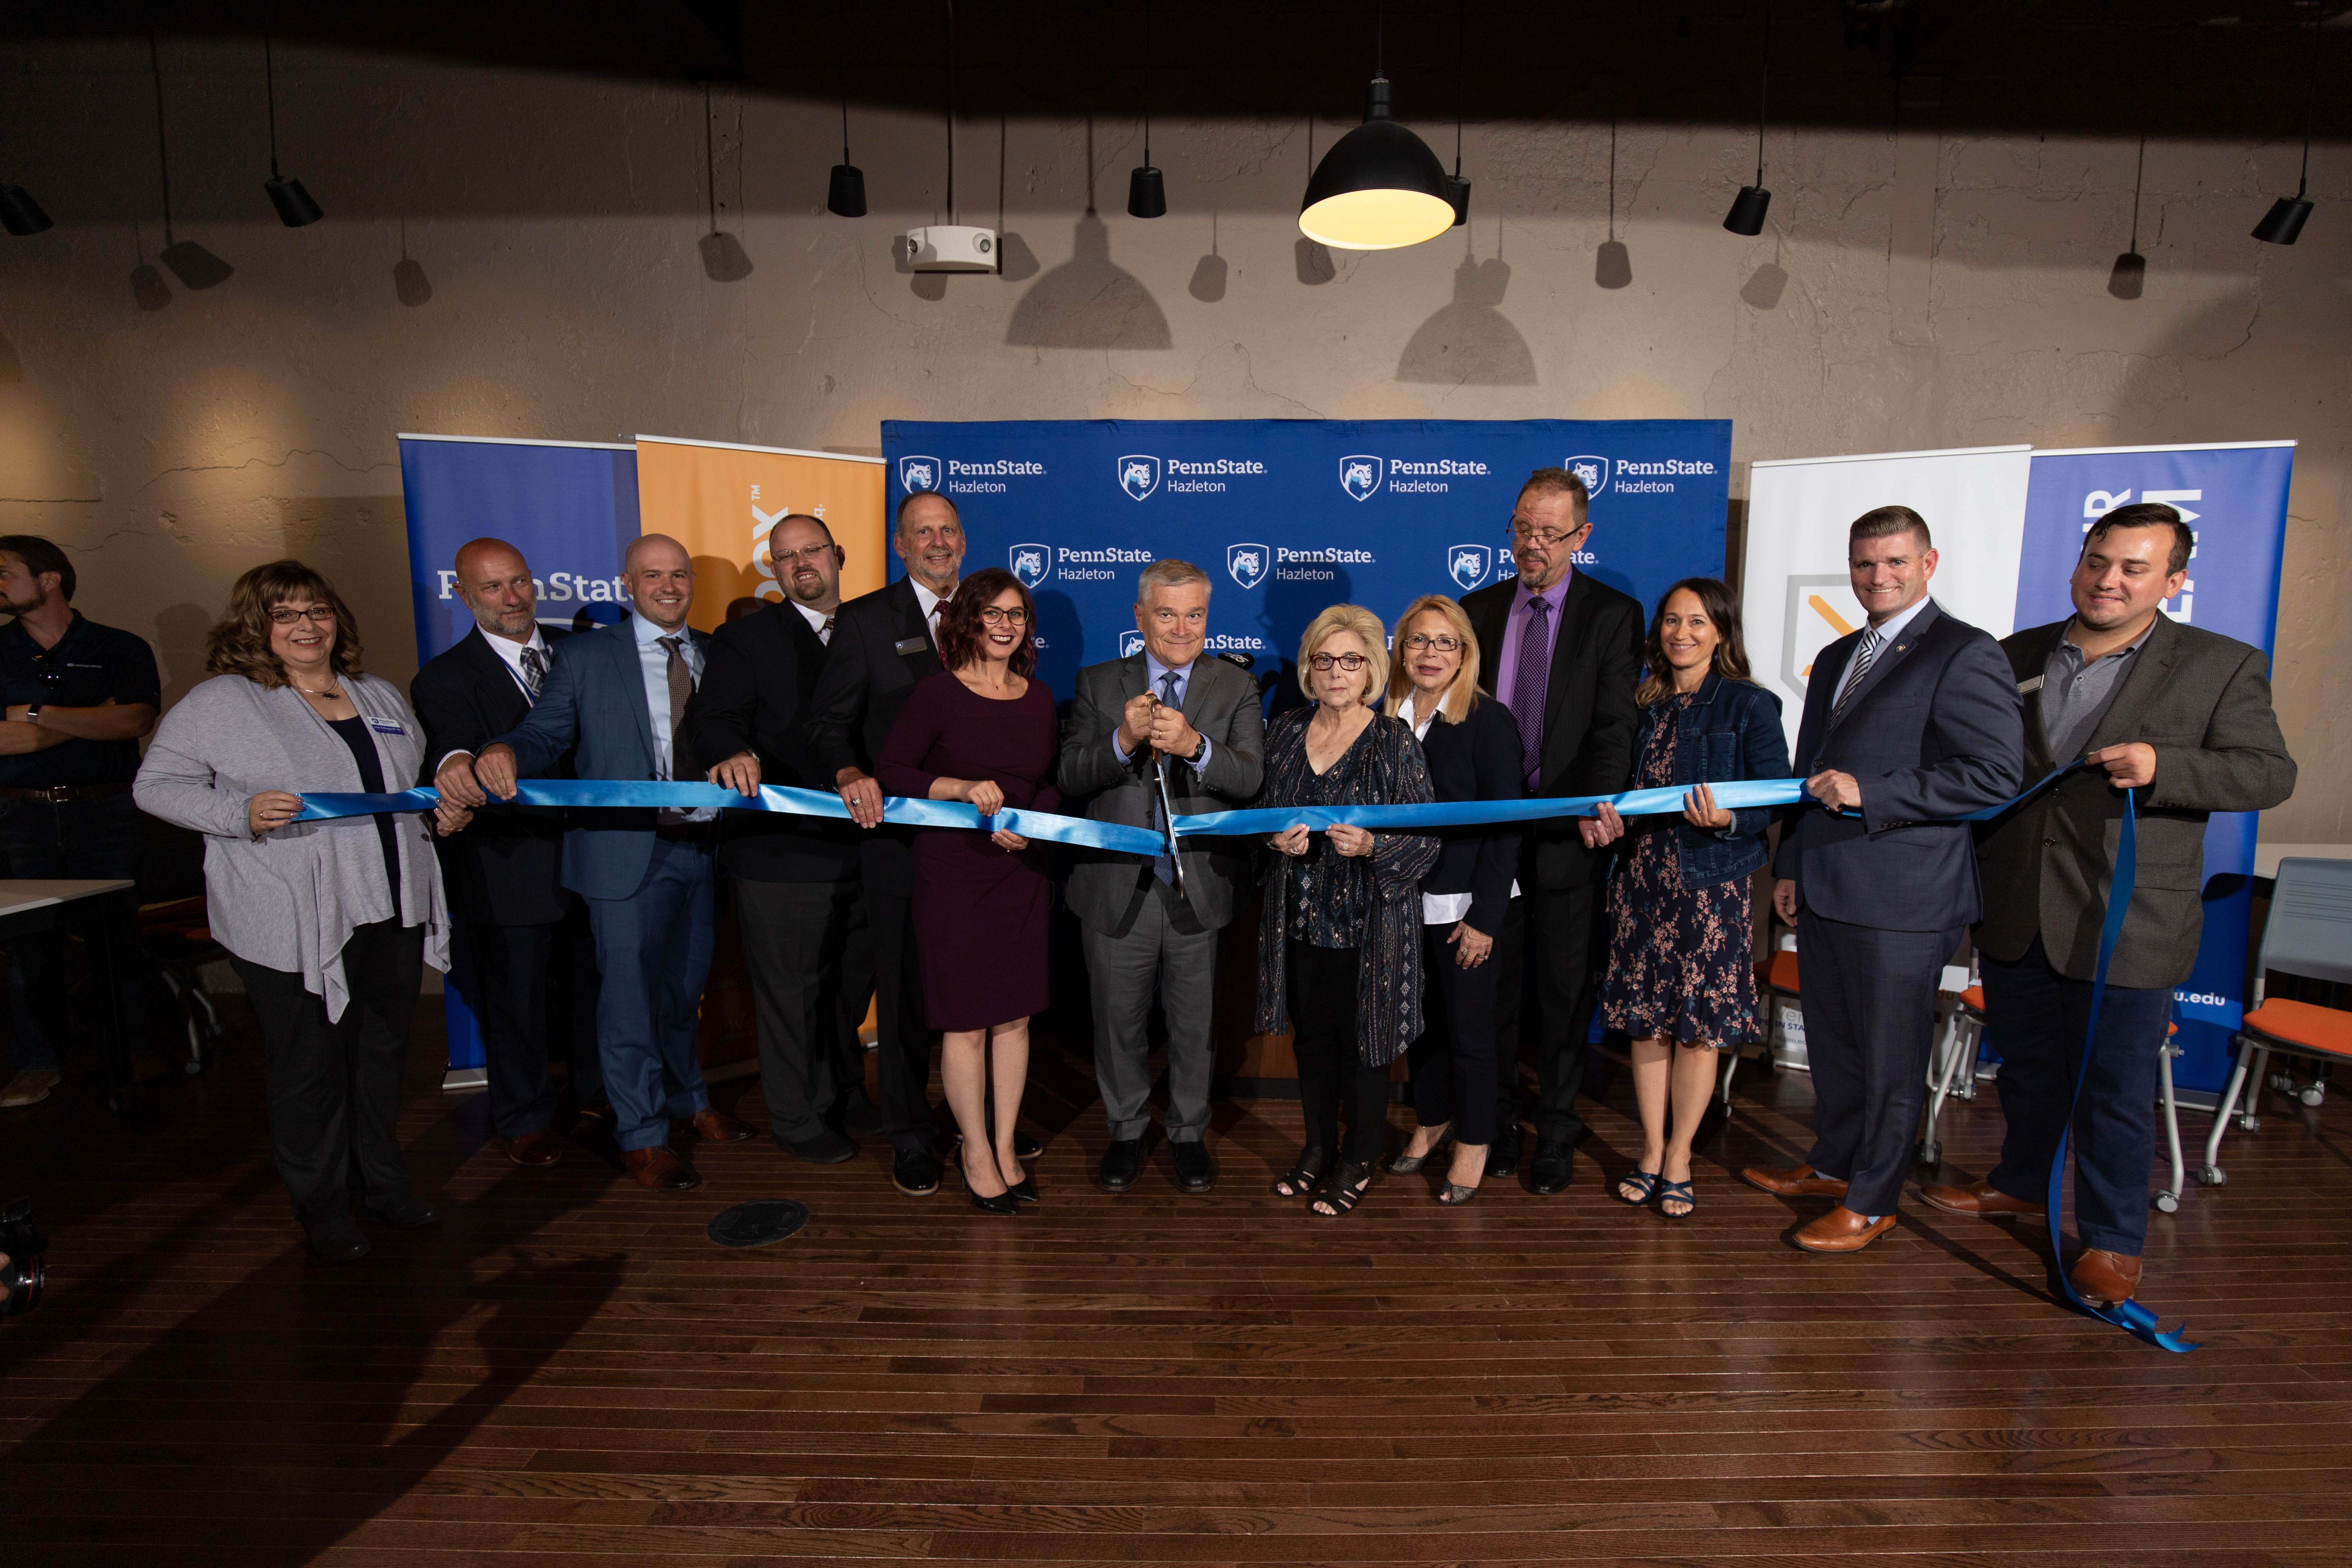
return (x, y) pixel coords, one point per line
(981, 731)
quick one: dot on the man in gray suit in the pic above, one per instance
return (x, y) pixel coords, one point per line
(1162, 713)
(1911, 720)
(2182, 717)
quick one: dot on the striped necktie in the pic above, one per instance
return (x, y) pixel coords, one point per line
(534, 671)
(1864, 657)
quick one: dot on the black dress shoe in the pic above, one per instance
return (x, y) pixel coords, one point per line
(917, 1174)
(1549, 1171)
(405, 1213)
(1194, 1171)
(339, 1241)
(860, 1117)
(1024, 1190)
(821, 1147)
(1122, 1163)
(1503, 1157)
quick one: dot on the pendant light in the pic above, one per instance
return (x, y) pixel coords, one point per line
(19, 213)
(2128, 278)
(1748, 209)
(1380, 187)
(295, 207)
(846, 196)
(2287, 214)
(1147, 193)
(1457, 189)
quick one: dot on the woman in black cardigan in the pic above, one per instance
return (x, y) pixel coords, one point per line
(1474, 752)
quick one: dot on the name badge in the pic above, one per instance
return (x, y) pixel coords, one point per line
(2025, 685)
(385, 726)
(911, 645)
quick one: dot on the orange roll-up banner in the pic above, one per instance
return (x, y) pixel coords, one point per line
(719, 500)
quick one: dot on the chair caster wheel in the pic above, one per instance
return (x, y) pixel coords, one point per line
(2316, 1094)
(2166, 1203)
(2212, 1177)
(193, 1068)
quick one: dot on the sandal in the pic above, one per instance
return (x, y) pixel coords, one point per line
(1455, 1194)
(1346, 1189)
(1409, 1165)
(1305, 1175)
(1646, 1181)
(1677, 1192)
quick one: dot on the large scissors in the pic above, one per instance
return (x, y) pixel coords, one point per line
(1167, 811)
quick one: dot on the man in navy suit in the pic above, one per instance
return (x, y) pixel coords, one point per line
(616, 699)
(1913, 720)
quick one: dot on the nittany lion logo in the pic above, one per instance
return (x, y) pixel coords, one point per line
(1032, 563)
(1247, 563)
(918, 474)
(1139, 475)
(1129, 644)
(1592, 470)
(1359, 476)
(1468, 564)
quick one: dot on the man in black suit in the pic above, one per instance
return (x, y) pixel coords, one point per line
(805, 940)
(883, 643)
(1911, 720)
(1566, 653)
(508, 904)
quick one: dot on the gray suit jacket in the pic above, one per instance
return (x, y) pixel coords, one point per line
(1221, 701)
(2203, 701)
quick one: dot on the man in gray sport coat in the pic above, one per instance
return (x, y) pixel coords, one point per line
(1166, 709)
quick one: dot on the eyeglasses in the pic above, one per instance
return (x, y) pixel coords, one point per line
(809, 552)
(1441, 643)
(995, 616)
(1351, 662)
(1549, 539)
(317, 615)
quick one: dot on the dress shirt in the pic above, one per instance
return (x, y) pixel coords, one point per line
(2075, 695)
(1154, 672)
(653, 660)
(930, 604)
(1507, 658)
(1436, 908)
(510, 651)
(819, 622)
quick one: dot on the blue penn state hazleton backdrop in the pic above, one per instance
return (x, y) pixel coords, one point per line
(1288, 515)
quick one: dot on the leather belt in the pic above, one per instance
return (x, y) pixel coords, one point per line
(64, 793)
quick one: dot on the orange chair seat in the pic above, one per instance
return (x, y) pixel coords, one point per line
(2302, 1027)
(1780, 973)
(1973, 1000)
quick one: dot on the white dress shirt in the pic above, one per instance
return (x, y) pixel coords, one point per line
(510, 651)
(1888, 630)
(819, 622)
(931, 604)
(653, 660)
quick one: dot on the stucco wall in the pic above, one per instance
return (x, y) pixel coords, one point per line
(518, 254)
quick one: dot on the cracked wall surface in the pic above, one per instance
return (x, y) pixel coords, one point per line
(519, 253)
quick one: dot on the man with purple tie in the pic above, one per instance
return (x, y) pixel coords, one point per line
(1566, 653)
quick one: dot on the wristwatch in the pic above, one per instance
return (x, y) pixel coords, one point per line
(32, 713)
(1192, 762)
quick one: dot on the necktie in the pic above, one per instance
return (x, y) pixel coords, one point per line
(1162, 868)
(681, 688)
(1533, 676)
(1864, 657)
(534, 671)
(824, 632)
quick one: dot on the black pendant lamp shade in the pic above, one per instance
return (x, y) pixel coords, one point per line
(1457, 191)
(1147, 194)
(19, 213)
(2284, 221)
(1748, 209)
(844, 196)
(1379, 187)
(295, 207)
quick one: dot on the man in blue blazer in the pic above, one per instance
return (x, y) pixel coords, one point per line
(616, 699)
(1913, 720)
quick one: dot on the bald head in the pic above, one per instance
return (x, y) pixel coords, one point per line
(661, 579)
(493, 582)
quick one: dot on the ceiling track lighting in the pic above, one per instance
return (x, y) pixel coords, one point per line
(845, 195)
(295, 207)
(20, 214)
(2284, 221)
(1147, 192)
(1748, 209)
(1457, 189)
(1380, 187)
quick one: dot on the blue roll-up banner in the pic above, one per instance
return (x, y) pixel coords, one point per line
(2234, 496)
(571, 508)
(1288, 515)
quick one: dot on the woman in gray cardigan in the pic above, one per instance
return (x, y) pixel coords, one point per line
(328, 922)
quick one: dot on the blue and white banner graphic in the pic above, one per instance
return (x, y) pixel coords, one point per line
(1289, 516)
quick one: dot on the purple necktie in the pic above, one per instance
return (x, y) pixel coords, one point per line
(1533, 674)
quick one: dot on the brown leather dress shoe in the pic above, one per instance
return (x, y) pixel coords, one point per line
(1979, 1200)
(2104, 1278)
(1796, 1182)
(659, 1170)
(540, 1148)
(1842, 1230)
(718, 1126)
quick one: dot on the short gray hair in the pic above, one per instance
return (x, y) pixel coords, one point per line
(1170, 574)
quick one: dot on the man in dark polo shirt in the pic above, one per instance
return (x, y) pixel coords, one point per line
(78, 697)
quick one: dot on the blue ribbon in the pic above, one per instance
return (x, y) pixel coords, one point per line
(1743, 794)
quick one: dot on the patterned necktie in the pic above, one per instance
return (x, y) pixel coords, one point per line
(1163, 867)
(1534, 675)
(1864, 657)
(681, 688)
(534, 671)
(824, 632)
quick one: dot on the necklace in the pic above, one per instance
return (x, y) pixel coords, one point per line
(331, 694)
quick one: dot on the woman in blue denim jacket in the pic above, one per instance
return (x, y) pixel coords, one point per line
(1682, 972)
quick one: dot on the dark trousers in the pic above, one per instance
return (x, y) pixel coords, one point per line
(653, 951)
(76, 840)
(902, 1040)
(534, 990)
(334, 1087)
(1322, 985)
(1869, 997)
(2037, 1018)
(1543, 959)
(810, 958)
(1452, 1063)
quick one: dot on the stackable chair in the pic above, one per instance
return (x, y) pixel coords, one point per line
(178, 940)
(2310, 934)
(1952, 1063)
(1775, 977)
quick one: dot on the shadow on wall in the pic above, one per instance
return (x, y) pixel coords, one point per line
(1612, 264)
(180, 646)
(1089, 302)
(1469, 343)
(409, 284)
(724, 259)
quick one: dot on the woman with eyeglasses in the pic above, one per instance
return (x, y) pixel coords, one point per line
(983, 732)
(1338, 949)
(1682, 970)
(1473, 748)
(328, 922)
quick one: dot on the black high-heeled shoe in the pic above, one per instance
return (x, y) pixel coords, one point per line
(1024, 1191)
(1002, 1203)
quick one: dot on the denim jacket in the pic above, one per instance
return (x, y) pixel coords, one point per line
(1732, 729)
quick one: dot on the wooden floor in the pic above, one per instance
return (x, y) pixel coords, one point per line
(566, 1370)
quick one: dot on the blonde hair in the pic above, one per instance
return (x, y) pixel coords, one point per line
(1463, 695)
(1337, 618)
